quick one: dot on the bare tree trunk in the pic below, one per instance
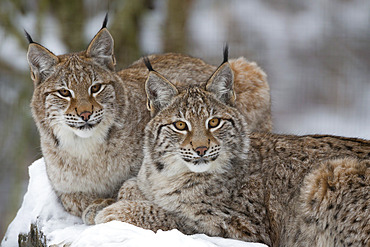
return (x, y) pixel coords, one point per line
(125, 30)
(72, 17)
(175, 28)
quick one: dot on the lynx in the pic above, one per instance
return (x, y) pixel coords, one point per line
(91, 119)
(205, 172)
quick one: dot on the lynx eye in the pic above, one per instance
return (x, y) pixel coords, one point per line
(95, 88)
(180, 125)
(213, 123)
(64, 92)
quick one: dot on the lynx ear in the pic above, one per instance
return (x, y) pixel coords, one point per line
(221, 82)
(101, 47)
(40, 60)
(159, 90)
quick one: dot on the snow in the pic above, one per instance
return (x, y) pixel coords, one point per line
(40, 205)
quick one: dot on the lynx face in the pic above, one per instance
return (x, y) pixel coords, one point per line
(195, 130)
(79, 101)
(74, 93)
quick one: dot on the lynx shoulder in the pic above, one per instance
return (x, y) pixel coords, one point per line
(203, 172)
(91, 119)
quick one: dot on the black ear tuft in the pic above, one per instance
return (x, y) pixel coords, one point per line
(28, 36)
(105, 21)
(226, 53)
(148, 64)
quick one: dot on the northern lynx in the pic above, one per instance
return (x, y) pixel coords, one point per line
(91, 119)
(204, 172)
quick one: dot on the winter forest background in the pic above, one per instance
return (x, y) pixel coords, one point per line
(316, 55)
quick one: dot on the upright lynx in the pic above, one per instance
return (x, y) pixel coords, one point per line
(91, 119)
(203, 172)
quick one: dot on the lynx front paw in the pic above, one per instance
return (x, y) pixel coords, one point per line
(143, 214)
(121, 211)
(88, 216)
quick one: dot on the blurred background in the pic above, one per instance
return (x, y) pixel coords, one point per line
(316, 55)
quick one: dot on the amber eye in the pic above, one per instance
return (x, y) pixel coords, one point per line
(213, 123)
(95, 88)
(180, 125)
(64, 92)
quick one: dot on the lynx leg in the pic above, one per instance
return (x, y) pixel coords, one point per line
(335, 205)
(130, 191)
(75, 203)
(92, 210)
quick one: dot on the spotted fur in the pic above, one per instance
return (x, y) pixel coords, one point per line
(91, 119)
(280, 190)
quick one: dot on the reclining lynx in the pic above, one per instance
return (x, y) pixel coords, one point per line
(91, 119)
(204, 172)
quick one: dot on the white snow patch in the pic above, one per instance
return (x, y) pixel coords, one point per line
(41, 206)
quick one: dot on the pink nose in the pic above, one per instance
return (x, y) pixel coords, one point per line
(85, 115)
(201, 150)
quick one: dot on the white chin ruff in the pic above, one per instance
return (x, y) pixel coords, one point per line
(200, 167)
(86, 133)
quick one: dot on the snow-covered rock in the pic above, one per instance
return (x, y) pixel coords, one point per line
(41, 208)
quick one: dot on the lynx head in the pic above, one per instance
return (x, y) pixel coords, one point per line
(196, 130)
(74, 94)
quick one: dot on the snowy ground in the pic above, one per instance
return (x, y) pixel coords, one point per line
(40, 205)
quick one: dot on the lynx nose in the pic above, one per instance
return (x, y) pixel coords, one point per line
(85, 115)
(201, 150)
